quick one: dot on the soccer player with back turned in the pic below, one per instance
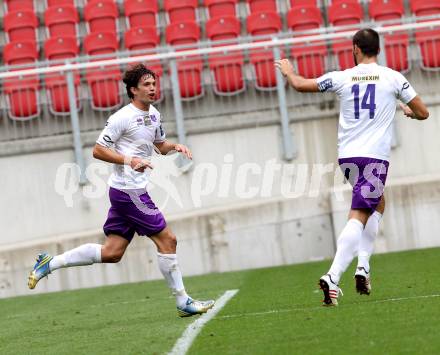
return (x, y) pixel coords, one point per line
(368, 94)
(127, 141)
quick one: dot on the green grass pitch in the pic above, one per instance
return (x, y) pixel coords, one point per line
(276, 311)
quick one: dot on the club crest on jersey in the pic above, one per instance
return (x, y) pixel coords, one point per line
(147, 120)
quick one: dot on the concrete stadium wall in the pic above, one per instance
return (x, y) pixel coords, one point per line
(222, 232)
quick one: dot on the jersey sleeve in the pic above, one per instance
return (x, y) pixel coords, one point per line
(404, 91)
(111, 133)
(160, 134)
(331, 81)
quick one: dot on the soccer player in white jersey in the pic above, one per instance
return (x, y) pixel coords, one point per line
(127, 141)
(368, 94)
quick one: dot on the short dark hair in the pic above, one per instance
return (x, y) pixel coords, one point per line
(133, 75)
(367, 40)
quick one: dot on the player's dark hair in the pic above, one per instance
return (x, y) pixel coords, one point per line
(367, 40)
(133, 75)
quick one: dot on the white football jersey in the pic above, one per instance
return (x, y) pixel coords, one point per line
(131, 132)
(368, 94)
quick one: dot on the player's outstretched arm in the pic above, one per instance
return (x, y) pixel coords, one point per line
(415, 109)
(298, 82)
(166, 146)
(110, 156)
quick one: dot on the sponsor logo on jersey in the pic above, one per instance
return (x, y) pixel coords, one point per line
(325, 85)
(358, 78)
(153, 118)
(405, 86)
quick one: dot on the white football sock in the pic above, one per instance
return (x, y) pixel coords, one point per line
(170, 270)
(85, 254)
(366, 245)
(347, 248)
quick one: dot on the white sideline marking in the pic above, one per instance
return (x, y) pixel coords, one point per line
(183, 344)
(276, 311)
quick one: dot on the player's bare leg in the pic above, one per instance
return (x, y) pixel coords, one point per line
(166, 244)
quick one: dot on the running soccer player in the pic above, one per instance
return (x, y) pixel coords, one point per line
(131, 132)
(368, 94)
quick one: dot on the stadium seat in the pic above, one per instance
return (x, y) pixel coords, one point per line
(22, 93)
(221, 8)
(313, 3)
(384, 10)
(101, 16)
(21, 26)
(429, 44)
(56, 83)
(344, 13)
(259, 24)
(50, 3)
(141, 13)
(189, 69)
(181, 10)
(61, 21)
(57, 48)
(227, 68)
(310, 58)
(396, 45)
(257, 6)
(144, 38)
(428, 40)
(104, 81)
(18, 5)
(425, 7)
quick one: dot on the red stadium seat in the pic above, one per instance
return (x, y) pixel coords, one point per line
(256, 6)
(101, 16)
(428, 40)
(18, 5)
(396, 45)
(61, 48)
(189, 70)
(141, 13)
(429, 44)
(259, 24)
(425, 7)
(61, 21)
(181, 10)
(310, 58)
(221, 8)
(144, 38)
(56, 83)
(227, 68)
(313, 3)
(384, 10)
(22, 94)
(103, 82)
(21, 26)
(141, 38)
(344, 13)
(50, 3)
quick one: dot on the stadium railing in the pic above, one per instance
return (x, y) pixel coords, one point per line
(225, 78)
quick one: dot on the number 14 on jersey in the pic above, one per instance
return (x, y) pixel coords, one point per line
(368, 100)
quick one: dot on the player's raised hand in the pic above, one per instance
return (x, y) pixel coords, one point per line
(407, 111)
(139, 164)
(284, 66)
(183, 149)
